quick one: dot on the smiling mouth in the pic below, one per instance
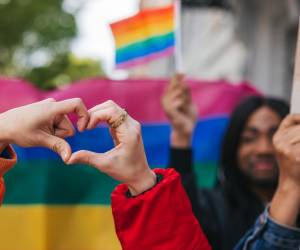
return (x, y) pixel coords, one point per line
(264, 165)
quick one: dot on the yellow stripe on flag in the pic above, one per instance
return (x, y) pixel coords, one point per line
(143, 33)
(57, 228)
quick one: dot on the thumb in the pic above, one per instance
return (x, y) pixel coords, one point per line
(97, 160)
(59, 146)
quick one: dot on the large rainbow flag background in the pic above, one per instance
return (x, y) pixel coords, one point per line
(50, 206)
(144, 36)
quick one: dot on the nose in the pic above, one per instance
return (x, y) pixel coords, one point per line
(264, 145)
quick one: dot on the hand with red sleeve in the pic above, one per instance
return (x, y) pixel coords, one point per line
(151, 209)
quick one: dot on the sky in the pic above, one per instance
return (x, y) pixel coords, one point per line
(94, 36)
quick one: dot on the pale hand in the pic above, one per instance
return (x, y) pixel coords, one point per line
(126, 162)
(43, 124)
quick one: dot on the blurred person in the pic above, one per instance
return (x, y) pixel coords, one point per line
(248, 166)
(140, 204)
(278, 228)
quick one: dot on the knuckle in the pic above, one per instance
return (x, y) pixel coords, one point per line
(57, 146)
(93, 118)
(138, 127)
(88, 160)
(51, 99)
(40, 138)
(111, 102)
(94, 115)
(115, 111)
(78, 101)
(286, 151)
(136, 132)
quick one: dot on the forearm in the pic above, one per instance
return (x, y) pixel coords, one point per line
(286, 203)
(182, 161)
(3, 134)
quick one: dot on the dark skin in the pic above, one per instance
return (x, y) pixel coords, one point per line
(256, 153)
(267, 145)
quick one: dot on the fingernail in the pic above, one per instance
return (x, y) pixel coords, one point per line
(64, 156)
(79, 127)
(71, 161)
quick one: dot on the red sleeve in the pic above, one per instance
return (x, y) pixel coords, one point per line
(5, 165)
(161, 218)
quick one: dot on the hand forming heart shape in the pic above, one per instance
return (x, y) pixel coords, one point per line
(46, 124)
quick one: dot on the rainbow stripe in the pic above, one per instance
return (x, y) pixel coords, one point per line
(144, 37)
(52, 206)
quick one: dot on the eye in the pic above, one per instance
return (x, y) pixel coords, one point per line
(247, 139)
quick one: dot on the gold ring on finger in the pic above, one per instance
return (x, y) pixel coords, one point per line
(120, 120)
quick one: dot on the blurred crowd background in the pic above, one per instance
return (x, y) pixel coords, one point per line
(50, 43)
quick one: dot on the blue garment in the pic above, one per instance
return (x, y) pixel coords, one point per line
(267, 234)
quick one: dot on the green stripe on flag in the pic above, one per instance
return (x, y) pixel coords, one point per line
(206, 174)
(53, 182)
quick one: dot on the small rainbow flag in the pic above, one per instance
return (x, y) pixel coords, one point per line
(147, 35)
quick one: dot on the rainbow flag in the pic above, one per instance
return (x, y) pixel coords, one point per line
(144, 37)
(49, 205)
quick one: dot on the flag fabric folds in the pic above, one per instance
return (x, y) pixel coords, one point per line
(144, 37)
(49, 205)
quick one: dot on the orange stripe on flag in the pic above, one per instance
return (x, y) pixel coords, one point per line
(142, 18)
(142, 33)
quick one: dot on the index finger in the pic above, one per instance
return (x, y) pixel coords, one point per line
(177, 78)
(176, 82)
(76, 106)
(289, 121)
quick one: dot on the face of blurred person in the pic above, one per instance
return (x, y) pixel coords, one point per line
(256, 153)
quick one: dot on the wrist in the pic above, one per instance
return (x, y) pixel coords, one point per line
(289, 186)
(285, 204)
(143, 182)
(4, 133)
(181, 140)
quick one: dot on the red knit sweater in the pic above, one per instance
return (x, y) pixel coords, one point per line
(5, 165)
